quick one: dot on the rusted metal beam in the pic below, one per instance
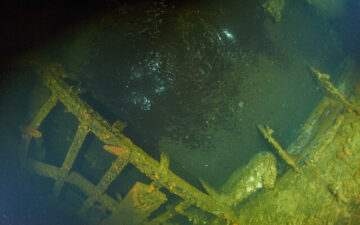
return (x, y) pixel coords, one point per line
(43, 169)
(36, 121)
(44, 111)
(50, 171)
(89, 188)
(71, 155)
(111, 174)
(330, 90)
(267, 132)
(171, 212)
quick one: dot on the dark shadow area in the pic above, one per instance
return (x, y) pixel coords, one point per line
(30, 25)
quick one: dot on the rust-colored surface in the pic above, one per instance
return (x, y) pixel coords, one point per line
(30, 131)
(136, 206)
(119, 151)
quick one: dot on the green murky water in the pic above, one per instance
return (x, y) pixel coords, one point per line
(191, 80)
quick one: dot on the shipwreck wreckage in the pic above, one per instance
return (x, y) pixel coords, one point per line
(321, 186)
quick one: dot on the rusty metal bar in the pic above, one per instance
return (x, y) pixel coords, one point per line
(89, 188)
(43, 169)
(104, 183)
(50, 171)
(37, 120)
(267, 132)
(44, 111)
(71, 155)
(329, 88)
(171, 212)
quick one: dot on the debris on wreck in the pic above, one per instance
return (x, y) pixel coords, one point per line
(329, 89)
(267, 132)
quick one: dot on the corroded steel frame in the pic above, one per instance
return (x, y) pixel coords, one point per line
(91, 121)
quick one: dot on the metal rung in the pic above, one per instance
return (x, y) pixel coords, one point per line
(71, 155)
(111, 174)
(50, 171)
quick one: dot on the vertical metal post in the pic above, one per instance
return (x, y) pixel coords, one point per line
(73, 151)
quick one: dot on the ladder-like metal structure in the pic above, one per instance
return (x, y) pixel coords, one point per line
(142, 199)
